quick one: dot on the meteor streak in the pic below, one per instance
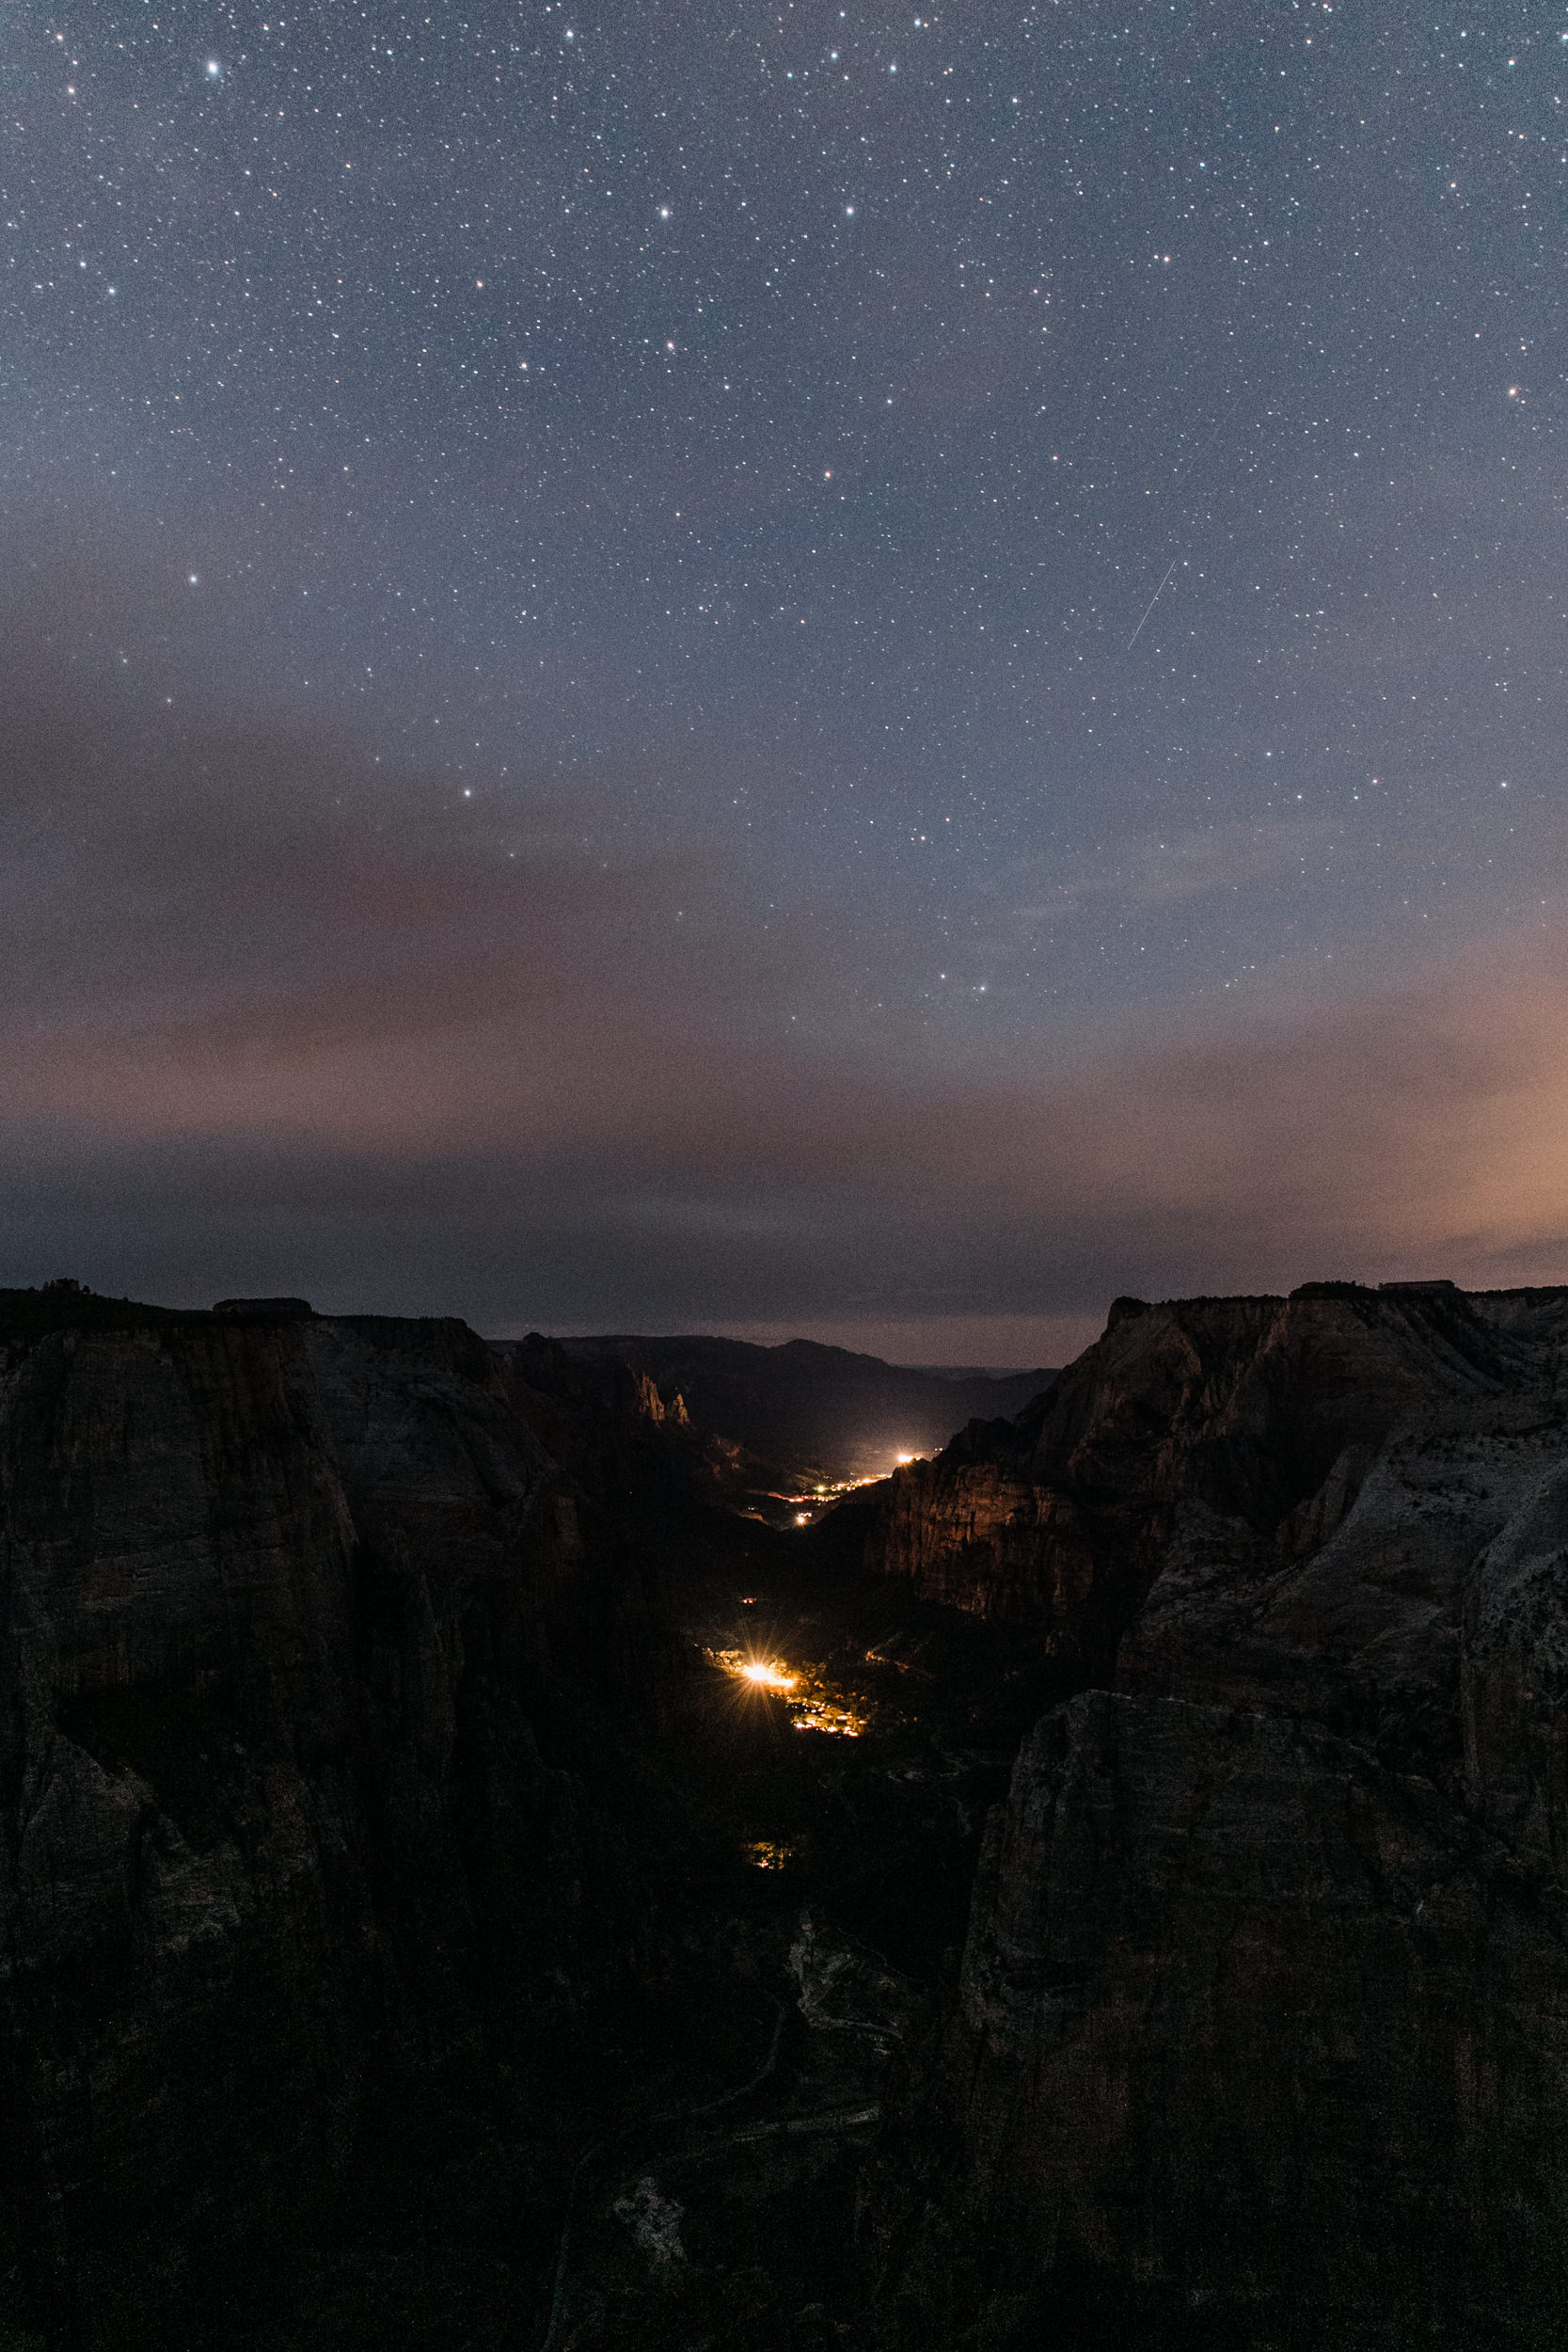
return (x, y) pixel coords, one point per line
(1151, 605)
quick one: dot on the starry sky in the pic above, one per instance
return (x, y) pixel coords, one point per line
(783, 669)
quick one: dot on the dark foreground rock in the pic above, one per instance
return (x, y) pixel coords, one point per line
(322, 1689)
(1263, 2035)
(1247, 2016)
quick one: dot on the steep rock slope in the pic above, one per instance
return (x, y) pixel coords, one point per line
(304, 1634)
(1242, 1405)
(1264, 2011)
(1249, 2018)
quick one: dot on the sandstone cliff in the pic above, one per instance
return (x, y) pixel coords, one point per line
(1264, 2011)
(1245, 1406)
(312, 1651)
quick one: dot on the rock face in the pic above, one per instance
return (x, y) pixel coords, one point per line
(1250, 2018)
(305, 1629)
(1244, 1405)
(1264, 2010)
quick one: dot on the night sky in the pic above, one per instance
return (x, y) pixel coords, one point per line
(784, 669)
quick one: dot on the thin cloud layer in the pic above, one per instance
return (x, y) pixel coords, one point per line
(271, 1018)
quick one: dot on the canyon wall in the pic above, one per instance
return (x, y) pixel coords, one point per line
(1263, 2022)
(316, 1666)
(1243, 1405)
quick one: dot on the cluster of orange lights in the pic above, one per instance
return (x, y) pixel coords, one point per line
(820, 1496)
(771, 1677)
(814, 1704)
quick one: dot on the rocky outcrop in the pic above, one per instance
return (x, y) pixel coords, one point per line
(631, 1447)
(1255, 1408)
(1264, 2010)
(317, 1672)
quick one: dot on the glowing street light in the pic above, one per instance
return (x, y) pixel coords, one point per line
(770, 1678)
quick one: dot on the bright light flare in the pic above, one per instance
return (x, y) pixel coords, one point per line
(814, 1704)
(771, 1677)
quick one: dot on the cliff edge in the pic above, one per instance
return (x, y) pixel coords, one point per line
(1262, 2031)
(319, 1672)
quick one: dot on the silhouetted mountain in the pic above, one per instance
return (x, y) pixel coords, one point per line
(814, 1411)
